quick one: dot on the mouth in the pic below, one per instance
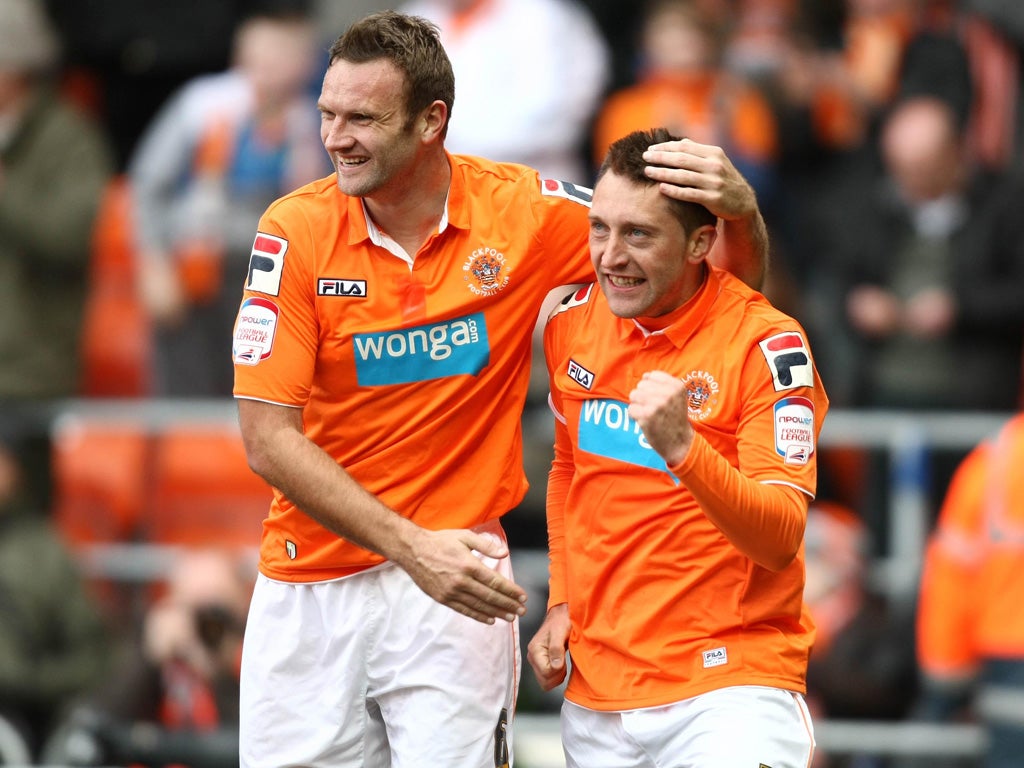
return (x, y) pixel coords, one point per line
(620, 281)
(350, 162)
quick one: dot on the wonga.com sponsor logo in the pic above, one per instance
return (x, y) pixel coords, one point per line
(607, 430)
(425, 352)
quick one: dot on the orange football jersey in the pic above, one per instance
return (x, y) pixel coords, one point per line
(663, 605)
(412, 374)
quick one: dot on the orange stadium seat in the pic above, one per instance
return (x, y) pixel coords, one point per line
(99, 480)
(101, 493)
(203, 492)
(115, 333)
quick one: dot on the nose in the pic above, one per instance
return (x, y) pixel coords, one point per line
(613, 252)
(335, 134)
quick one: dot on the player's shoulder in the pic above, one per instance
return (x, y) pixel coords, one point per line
(756, 315)
(575, 305)
(483, 175)
(310, 201)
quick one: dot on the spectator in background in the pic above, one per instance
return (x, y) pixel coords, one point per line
(54, 167)
(53, 642)
(221, 150)
(958, 54)
(682, 85)
(933, 286)
(970, 642)
(531, 74)
(862, 665)
(174, 696)
(875, 35)
(1007, 18)
(830, 68)
(928, 256)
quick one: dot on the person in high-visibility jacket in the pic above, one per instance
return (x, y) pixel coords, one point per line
(970, 640)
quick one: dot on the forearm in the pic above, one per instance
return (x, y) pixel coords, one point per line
(559, 479)
(765, 522)
(743, 248)
(444, 564)
(283, 456)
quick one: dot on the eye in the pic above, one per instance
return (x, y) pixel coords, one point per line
(597, 228)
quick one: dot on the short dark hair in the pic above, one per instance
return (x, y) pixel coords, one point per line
(413, 45)
(625, 158)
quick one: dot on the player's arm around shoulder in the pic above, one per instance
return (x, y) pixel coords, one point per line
(566, 298)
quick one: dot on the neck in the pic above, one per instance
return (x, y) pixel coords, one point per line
(412, 214)
(661, 322)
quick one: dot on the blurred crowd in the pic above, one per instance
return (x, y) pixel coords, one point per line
(139, 144)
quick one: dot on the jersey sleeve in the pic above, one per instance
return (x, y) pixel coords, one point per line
(559, 480)
(275, 339)
(760, 504)
(783, 409)
(563, 210)
(764, 522)
(560, 475)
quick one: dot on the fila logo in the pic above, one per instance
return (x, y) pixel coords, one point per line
(716, 657)
(266, 263)
(788, 360)
(580, 375)
(331, 286)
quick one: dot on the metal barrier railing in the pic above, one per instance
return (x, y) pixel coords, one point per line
(907, 437)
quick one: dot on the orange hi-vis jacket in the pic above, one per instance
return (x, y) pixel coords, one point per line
(663, 605)
(412, 376)
(971, 605)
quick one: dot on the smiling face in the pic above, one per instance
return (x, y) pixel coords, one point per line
(647, 264)
(365, 128)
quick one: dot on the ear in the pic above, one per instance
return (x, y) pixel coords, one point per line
(700, 242)
(432, 122)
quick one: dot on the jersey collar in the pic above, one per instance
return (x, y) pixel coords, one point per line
(359, 213)
(457, 209)
(692, 313)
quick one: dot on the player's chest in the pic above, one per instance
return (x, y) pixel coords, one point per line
(373, 288)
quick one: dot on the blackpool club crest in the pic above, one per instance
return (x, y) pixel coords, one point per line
(485, 271)
(701, 394)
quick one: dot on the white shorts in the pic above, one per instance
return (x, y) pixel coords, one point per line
(369, 671)
(737, 727)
